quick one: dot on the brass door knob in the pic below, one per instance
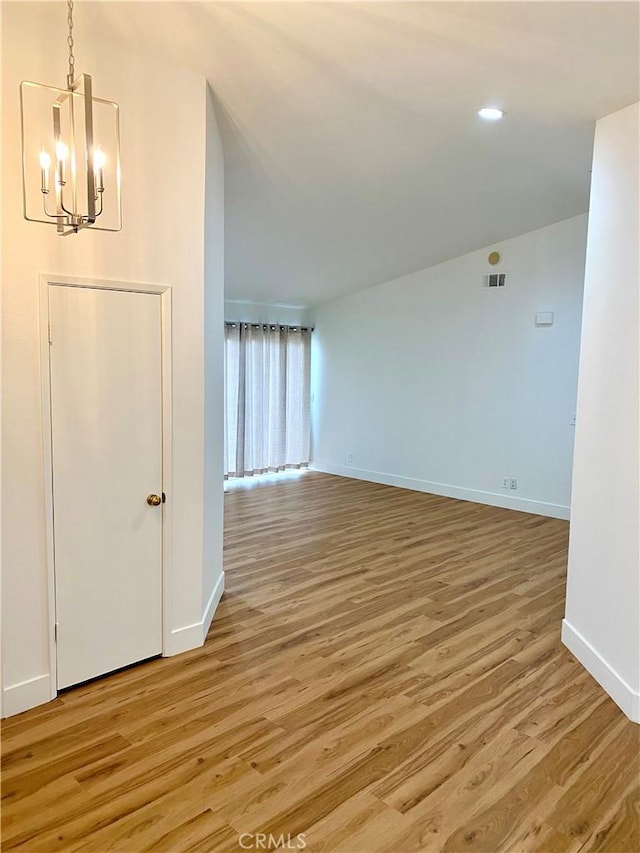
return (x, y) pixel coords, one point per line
(154, 500)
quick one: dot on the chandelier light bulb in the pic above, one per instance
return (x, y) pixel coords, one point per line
(45, 162)
(491, 113)
(99, 159)
(61, 156)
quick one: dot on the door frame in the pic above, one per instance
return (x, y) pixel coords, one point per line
(164, 291)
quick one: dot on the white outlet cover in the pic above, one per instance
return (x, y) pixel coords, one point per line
(544, 318)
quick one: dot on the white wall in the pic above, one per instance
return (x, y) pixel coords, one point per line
(213, 575)
(435, 383)
(262, 312)
(162, 242)
(602, 624)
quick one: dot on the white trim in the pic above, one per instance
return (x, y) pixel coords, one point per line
(446, 490)
(27, 694)
(164, 291)
(183, 640)
(103, 283)
(167, 463)
(193, 636)
(212, 605)
(622, 693)
(45, 386)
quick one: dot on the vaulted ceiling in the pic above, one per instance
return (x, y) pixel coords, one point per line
(353, 152)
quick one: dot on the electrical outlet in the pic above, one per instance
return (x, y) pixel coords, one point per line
(513, 483)
(349, 456)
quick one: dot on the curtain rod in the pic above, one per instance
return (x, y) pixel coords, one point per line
(268, 326)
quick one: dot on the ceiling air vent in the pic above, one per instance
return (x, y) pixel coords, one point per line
(494, 279)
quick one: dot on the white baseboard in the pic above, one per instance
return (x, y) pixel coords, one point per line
(183, 640)
(622, 693)
(193, 636)
(212, 604)
(446, 491)
(27, 694)
(36, 691)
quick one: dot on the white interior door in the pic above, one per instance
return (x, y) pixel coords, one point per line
(106, 425)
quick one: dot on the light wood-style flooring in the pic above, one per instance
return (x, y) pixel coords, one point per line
(384, 673)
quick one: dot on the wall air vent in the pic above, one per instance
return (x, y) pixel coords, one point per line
(494, 279)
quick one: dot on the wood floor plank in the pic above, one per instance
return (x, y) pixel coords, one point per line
(619, 829)
(605, 778)
(539, 795)
(384, 674)
(361, 823)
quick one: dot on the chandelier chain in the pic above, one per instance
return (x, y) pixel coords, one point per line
(72, 59)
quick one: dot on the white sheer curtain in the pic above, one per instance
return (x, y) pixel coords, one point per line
(267, 378)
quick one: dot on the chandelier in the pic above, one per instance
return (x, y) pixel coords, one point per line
(70, 153)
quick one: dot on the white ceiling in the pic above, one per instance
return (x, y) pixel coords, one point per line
(353, 153)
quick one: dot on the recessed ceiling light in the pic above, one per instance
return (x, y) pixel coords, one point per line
(491, 113)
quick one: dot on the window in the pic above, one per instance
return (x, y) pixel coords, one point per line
(267, 377)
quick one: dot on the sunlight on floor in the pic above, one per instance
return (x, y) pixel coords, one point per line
(263, 479)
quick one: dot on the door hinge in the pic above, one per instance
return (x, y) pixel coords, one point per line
(55, 632)
(50, 333)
